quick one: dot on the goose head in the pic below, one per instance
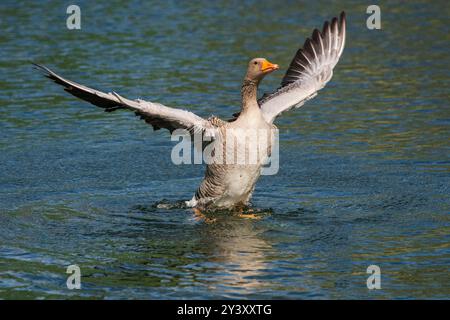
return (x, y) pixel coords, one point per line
(258, 68)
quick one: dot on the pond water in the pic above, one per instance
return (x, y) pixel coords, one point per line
(364, 167)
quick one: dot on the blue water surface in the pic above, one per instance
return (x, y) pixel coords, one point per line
(364, 167)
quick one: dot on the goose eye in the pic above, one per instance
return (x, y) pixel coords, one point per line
(255, 62)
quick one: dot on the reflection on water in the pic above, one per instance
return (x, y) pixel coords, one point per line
(364, 167)
(240, 251)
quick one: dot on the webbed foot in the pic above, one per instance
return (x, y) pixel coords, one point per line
(199, 216)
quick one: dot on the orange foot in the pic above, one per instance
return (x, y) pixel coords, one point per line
(199, 216)
(245, 212)
(249, 216)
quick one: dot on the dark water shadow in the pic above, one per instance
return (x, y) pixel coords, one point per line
(169, 205)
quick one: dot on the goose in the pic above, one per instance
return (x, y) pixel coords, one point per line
(230, 185)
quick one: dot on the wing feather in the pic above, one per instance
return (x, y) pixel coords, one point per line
(155, 114)
(310, 69)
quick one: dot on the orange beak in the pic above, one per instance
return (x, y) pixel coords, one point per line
(268, 67)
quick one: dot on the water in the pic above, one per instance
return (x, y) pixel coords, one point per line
(364, 174)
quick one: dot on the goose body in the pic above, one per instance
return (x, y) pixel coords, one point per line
(228, 185)
(228, 182)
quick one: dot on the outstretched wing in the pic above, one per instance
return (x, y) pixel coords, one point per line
(309, 71)
(155, 114)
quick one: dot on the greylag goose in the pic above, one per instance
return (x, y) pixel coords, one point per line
(230, 184)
